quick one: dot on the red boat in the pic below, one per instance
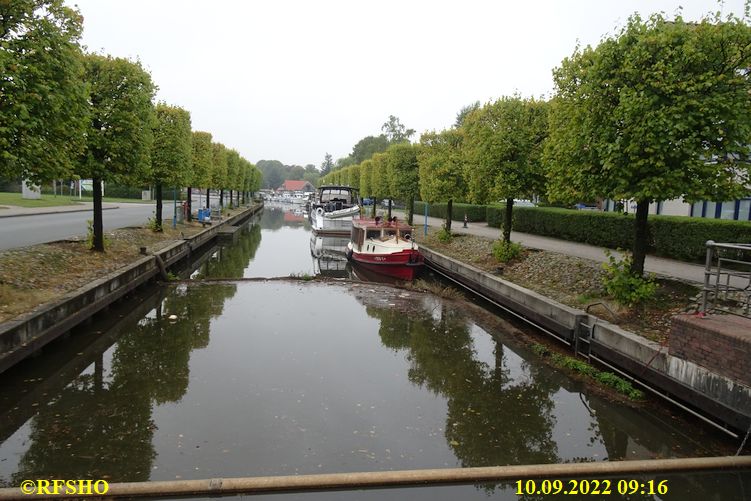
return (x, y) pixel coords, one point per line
(384, 247)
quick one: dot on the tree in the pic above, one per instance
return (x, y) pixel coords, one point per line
(233, 173)
(504, 145)
(369, 146)
(171, 153)
(403, 174)
(327, 165)
(218, 170)
(273, 173)
(202, 162)
(464, 112)
(379, 181)
(660, 110)
(439, 158)
(366, 177)
(395, 131)
(118, 143)
(43, 107)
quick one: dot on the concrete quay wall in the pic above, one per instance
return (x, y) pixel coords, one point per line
(686, 383)
(27, 333)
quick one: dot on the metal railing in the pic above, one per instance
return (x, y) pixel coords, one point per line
(727, 279)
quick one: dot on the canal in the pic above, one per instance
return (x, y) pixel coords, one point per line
(211, 378)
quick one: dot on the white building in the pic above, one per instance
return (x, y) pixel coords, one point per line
(738, 210)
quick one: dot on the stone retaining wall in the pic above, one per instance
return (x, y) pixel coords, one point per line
(721, 343)
(705, 384)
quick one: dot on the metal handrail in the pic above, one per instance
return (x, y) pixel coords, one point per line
(726, 281)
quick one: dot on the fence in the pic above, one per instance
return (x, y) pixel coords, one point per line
(727, 279)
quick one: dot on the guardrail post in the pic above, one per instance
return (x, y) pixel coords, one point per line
(707, 275)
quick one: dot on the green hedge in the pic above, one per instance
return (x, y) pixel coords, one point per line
(475, 213)
(670, 236)
(685, 237)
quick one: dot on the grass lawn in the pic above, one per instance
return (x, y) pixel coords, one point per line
(45, 201)
(53, 201)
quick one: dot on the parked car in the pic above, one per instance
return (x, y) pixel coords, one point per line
(524, 203)
(367, 201)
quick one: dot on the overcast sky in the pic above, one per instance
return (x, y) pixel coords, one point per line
(291, 80)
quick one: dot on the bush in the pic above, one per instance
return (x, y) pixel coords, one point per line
(475, 213)
(625, 287)
(669, 236)
(444, 235)
(686, 237)
(606, 229)
(506, 251)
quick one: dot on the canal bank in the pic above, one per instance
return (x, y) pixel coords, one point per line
(27, 333)
(240, 378)
(693, 385)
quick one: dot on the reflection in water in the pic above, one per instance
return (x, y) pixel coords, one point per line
(230, 261)
(278, 378)
(329, 259)
(99, 424)
(487, 423)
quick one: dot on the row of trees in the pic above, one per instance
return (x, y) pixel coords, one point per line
(658, 111)
(68, 114)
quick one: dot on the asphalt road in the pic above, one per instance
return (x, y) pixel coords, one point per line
(35, 229)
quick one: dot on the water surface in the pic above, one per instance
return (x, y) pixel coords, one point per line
(279, 378)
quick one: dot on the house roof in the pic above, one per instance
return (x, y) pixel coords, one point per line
(290, 185)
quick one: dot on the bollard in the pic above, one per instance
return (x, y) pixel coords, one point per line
(465, 219)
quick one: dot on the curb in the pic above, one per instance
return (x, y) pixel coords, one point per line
(54, 212)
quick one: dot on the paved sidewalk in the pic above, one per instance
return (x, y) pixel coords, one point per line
(658, 265)
(15, 211)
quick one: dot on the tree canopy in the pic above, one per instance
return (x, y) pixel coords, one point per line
(172, 150)
(395, 131)
(43, 107)
(202, 159)
(503, 152)
(441, 169)
(659, 111)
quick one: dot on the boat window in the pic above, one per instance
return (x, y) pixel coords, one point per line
(374, 233)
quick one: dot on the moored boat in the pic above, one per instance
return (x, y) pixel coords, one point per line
(384, 246)
(333, 210)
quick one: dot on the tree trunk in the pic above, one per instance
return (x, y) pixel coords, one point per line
(410, 210)
(221, 198)
(508, 220)
(208, 198)
(373, 213)
(389, 208)
(641, 234)
(158, 207)
(98, 242)
(188, 216)
(231, 199)
(449, 210)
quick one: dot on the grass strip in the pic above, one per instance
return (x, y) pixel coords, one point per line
(615, 382)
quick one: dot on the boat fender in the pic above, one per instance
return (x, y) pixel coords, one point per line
(319, 211)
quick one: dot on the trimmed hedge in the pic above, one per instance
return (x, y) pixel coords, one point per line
(670, 236)
(685, 237)
(475, 213)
